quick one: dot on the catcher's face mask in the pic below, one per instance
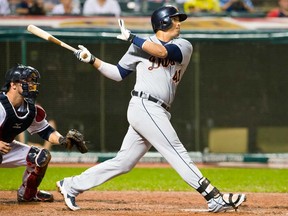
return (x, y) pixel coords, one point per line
(30, 85)
(28, 78)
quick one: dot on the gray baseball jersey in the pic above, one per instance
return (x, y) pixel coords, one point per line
(158, 77)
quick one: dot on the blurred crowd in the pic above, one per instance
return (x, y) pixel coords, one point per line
(278, 8)
(59, 7)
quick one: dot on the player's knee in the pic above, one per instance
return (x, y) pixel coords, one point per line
(125, 168)
(39, 157)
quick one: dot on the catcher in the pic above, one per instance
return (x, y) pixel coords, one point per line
(18, 113)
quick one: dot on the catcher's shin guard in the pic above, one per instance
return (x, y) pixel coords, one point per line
(38, 157)
(37, 163)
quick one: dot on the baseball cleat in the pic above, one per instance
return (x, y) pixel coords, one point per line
(41, 196)
(226, 202)
(69, 200)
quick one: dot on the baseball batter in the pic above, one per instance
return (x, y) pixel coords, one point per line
(18, 112)
(159, 62)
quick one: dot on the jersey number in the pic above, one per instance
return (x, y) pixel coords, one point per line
(176, 77)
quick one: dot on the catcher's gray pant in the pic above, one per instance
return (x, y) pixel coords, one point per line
(149, 125)
(25, 155)
(17, 156)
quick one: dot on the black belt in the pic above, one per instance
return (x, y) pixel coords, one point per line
(150, 98)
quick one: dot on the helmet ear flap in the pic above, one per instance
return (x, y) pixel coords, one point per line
(166, 22)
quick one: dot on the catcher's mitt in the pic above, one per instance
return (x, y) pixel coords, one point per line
(74, 137)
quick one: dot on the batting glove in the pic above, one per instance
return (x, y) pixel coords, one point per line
(84, 55)
(126, 34)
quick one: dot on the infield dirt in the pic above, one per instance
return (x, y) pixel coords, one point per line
(136, 203)
(141, 203)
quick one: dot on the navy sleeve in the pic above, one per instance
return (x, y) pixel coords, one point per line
(174, 53)
(123, 72)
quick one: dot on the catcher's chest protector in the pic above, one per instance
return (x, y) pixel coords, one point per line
(13, 124)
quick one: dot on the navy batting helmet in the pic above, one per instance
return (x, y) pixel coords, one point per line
(27, 76)
(161, 18)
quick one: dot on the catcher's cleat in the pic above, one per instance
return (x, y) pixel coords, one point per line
(41, 196)
(69, 200)
(226, 202)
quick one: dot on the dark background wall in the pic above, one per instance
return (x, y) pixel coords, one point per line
(227, 84)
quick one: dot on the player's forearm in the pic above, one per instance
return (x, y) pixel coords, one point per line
(54, 137)
(154, 49)
(150, 47)
(248, 8)
(97, 63)
(227, 5)
(108, 70)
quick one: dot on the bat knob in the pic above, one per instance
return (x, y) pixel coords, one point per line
(84, 56)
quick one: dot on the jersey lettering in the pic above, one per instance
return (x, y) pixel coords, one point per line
(157, 62)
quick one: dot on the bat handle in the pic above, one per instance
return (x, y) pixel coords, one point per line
(61, 43)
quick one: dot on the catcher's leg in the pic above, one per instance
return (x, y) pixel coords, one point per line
(37, 163)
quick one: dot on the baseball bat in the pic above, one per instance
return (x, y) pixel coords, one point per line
(47, 36)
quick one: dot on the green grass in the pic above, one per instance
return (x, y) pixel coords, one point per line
(164, 179)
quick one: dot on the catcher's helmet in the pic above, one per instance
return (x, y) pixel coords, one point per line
(27, 76)
(161, 18)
